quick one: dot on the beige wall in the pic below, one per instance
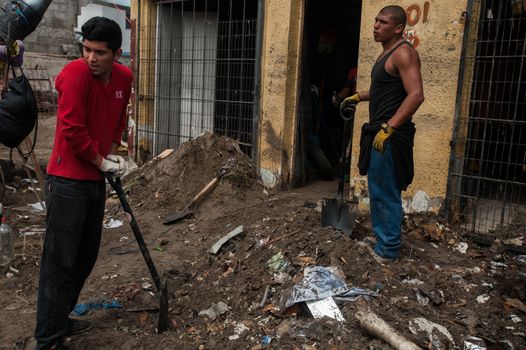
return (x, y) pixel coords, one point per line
(438, 28)
(145, 106)
(281, 47)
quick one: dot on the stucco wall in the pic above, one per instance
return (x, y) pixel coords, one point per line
(279, 87)
(436, 27)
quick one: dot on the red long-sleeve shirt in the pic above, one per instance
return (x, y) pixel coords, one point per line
(90, 116)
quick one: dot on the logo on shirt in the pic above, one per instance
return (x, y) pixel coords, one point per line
(119, 94)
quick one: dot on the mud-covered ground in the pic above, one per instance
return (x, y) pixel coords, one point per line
(478, 291)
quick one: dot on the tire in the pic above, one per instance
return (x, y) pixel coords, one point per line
(320, 162)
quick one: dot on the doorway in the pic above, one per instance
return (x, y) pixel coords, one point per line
(329, 59)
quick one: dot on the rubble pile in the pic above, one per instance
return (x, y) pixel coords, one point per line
(175, 177)
(255, 270)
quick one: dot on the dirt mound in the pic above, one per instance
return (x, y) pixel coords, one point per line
(170, 181)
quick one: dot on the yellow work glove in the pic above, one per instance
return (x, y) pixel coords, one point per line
(349, 104)
(379, 140)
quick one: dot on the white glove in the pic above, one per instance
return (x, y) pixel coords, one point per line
(113, 164)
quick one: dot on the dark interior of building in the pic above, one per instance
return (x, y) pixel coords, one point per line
(330, 53)
(495, 155)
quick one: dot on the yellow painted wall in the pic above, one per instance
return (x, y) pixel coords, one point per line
(282, 33)
(437, 30)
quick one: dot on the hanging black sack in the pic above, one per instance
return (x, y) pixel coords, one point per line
(18, 112)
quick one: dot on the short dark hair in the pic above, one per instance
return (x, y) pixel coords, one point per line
(103, 29)
(396, 12)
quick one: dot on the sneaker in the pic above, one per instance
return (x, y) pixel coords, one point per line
(78, 326)
(379, 259)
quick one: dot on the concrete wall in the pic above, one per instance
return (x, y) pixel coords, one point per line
(279, 88)
(436, 28)
(55, 29)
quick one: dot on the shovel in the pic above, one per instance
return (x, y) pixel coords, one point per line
(190, 207)
(162, 287)
(335, 212)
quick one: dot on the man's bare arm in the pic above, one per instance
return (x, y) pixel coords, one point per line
(364, 95)
(407, 63)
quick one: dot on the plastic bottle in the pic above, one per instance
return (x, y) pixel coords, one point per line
(6, 243)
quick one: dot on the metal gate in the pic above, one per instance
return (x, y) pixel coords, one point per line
(198, 62)
(487, 180)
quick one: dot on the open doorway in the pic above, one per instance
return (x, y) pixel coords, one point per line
(329, 59)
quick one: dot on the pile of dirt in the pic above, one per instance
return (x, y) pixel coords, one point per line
(175, 177)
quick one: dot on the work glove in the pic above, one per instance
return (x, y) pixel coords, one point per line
(113, 164)
(348, 105)
(379, 140)
(336, 99)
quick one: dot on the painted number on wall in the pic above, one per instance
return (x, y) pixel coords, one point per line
(415, 14)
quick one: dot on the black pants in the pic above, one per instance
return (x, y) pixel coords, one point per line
(75, 210)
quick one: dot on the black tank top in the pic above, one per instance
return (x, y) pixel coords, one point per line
(387, 92)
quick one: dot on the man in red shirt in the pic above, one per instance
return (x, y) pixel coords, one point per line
(93, 95)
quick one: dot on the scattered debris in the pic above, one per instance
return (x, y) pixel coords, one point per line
(214, 311)
(239, 329)
(435, 332)
(474, 343)
(483, 298)
(282, 229)
(215, 248)
(325, 308)
(420, 202)
(516, 303)
(278, 262)
(321, 282)
(113, 223)
(461, 247)
(515, 319)
(381, 329)
(83, 309)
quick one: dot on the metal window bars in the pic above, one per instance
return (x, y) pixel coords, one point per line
(487, 180)
(42, 86)
(197, 72)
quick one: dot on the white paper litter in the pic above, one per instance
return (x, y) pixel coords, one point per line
(325, 307)
(113, 223)
(461, 247)
(482, 299)
(38, 206)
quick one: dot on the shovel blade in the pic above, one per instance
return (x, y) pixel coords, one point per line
(177, 216)
(339, 216)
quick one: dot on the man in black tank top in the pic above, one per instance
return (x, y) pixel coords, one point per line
(386, 142)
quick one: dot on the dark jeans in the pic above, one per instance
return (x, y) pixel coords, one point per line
(75, 210)
(386, 202)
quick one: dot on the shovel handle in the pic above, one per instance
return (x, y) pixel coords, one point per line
(117, 186)
(205, 190)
